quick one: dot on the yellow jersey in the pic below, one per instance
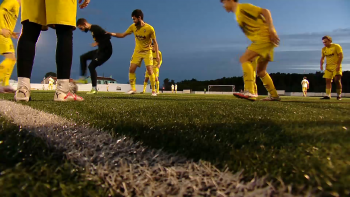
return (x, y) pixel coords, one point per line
(9, 13)
(332, 54)
(143, 36)
(252, 22)
(304, 83)
(155, 63)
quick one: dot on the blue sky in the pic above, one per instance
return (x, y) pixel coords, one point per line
(199, 39)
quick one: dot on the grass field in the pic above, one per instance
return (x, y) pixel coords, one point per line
(303, 141)
(29, 168)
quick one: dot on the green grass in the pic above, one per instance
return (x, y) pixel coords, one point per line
(29, 168)
(304, 141)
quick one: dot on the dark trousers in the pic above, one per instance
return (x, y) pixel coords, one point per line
(97, 57)
(27, 44)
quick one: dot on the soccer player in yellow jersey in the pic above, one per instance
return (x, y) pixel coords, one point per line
(9, 10)
(305, 86)
(257, 25)
(156, 66)
(144, 35)
(37, 15)
(334, 57)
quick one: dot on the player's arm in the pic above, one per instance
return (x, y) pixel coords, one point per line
(322, 61)
(273, 35)
(161, 60)
(122, 35)
(339, 51)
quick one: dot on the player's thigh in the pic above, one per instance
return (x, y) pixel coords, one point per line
(265, 50)
(88, 56)
(148, 58)
(339, 73)
(328, 74)
(248, 55)
(156, 71)
(61, 12)
(34, 11)
(136, 59)
(6, 46)
(101, 57)
(146, 74)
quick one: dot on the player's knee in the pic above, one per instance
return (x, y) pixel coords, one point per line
(261, 73)
(146, 79)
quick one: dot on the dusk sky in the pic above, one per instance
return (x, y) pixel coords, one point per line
(199, 39)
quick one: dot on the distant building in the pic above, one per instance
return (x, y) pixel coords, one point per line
(103, 80)
(46, 80)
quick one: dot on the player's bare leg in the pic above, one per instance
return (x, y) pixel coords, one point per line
(145, 83)
(248, 76)
(328, 89)
(152, 79)
(132, 78)
(266, 79)
(337, 80)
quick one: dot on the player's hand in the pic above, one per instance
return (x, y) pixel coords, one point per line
(14, 35)
(158, 58)
(338, 68)
(274, 37)
(109, 33)
(94, 44)
(6, 33)
(84, 4)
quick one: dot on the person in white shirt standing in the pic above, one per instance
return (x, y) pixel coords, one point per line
(305, 86)
(175, 88)
(172, 88)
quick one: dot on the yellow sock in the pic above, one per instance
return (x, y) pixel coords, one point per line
(255, 64)
(145, 86)
(248, 77)
(6, 71)
(328, 92)
(339, 92)
(132, 80)
(268, 83)
(153, 82)
(157, 86)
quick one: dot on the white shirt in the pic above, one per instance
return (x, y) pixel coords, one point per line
(304, 83)
(172, 86)
(175, 87)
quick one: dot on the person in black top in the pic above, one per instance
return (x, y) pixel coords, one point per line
(98, 56)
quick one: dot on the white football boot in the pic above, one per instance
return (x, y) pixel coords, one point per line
(63, 94)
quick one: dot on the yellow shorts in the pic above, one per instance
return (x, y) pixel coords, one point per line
(50, 12)
(330, 73)
(155, 71)
(6, 45)
(304, 89)
(146, 56)
(264, 49)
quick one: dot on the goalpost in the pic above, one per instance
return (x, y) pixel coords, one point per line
(221, 88)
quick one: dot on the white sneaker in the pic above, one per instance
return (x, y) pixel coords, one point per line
(63, 97)
(131, 92)
(154, 94)
(22, 94)
(270, 98)
(246, 95)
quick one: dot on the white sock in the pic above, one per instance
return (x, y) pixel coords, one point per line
(23, 82)
(63, 85)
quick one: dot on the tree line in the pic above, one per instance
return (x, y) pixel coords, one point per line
(290, 82)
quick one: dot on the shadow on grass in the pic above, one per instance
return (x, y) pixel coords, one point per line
(29, 168)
